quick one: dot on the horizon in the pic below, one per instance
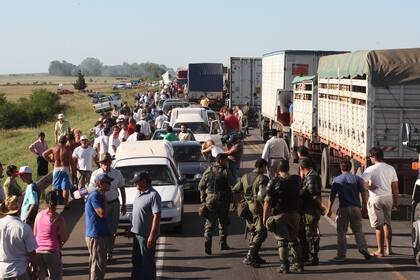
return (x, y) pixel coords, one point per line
(177, 33)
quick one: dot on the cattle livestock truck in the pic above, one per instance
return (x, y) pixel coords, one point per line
(278, 70)
(206, 79)
(360, 100)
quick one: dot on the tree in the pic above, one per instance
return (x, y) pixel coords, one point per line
(91, 66)
(62, 68)
(80, 84)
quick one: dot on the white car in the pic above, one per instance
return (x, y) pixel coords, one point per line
(155, 157)
(107, 103)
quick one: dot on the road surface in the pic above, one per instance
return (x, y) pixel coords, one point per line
(181, 256)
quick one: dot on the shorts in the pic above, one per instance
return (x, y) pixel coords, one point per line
(379, 210)
(62, 178)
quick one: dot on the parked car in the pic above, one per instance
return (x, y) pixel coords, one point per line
(191, 162)
(63, 91)
(159, 133)
(156, 158)
(107, 103)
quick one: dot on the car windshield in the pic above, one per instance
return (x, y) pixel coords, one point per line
(161, 174)
(196, 128)
(188, 153)
(174, 105)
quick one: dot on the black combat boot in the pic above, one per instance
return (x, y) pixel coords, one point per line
(207, 246)
(223, 243)
(250, 258)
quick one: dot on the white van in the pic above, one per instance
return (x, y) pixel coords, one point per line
(197, 121)
(155, 157)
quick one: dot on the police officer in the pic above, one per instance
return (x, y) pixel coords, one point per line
(283, 198)
(312, 209)
(252, 187)
(215, 195)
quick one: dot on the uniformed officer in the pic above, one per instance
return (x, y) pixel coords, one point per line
(252, 187)
(274, 150)
(215, 194)
(312, 209)
(283, 199)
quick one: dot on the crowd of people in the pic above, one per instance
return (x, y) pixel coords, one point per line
(270, 198)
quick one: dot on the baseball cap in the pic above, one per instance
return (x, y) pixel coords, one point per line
(60, 116)
(24, 170)
(83, 137)
(103, 177)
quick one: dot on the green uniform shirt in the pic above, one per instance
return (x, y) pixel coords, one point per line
(251, 191)
(212, 172)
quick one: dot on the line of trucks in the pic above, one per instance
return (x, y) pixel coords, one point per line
(336, 103)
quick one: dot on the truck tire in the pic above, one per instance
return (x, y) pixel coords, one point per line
(418, 258)
(325, 170)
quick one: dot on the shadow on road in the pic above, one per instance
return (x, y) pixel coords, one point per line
(72, 216)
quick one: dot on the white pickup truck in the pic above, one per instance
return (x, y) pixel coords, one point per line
(107, 103)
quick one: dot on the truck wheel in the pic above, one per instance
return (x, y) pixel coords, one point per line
(325, 172)
(418, 258)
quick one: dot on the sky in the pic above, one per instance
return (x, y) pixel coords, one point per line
(175, 33)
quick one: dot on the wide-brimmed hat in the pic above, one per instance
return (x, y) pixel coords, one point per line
(10, 206)
(105, 157)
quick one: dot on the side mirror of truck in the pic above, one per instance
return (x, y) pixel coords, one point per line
(406, 134)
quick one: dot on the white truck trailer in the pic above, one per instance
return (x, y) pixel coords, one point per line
(363, 99)
(245, 82)
(278, 70)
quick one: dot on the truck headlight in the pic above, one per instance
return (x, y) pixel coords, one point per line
(198, 176)
(167, 204)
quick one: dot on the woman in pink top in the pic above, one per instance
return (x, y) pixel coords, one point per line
(50, 233)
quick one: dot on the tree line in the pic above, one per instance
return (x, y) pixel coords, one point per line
(94, 67)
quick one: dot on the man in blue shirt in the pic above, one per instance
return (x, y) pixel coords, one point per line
(145, 226)
(97, 227)
(31, 198)
(349, 187)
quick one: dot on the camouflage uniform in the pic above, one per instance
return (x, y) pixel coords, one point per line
(253, 186)
(216, 194)
(311, 213)
(283, 198)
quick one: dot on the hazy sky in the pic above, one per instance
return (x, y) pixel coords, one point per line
(174, 33)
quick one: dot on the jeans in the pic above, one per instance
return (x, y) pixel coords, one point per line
(144, 266)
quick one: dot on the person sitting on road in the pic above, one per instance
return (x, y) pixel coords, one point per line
(51, 234)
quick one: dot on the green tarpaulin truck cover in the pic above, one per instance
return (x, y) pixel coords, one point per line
(384, 67)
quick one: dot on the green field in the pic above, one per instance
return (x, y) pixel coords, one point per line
(79, 112)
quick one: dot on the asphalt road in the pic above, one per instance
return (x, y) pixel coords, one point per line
(181, 256)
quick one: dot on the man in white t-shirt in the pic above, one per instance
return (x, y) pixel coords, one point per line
(382, 182)
(145, 126)
(114, 141)
(160, 120)
(123, 136)
(83, 157)
(102, 143)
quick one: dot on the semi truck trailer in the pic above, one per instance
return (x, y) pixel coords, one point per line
(278, 70)
(360, 100)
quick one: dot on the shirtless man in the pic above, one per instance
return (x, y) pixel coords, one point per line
(63, 165)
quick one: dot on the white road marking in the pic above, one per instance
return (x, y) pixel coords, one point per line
(160, 249)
